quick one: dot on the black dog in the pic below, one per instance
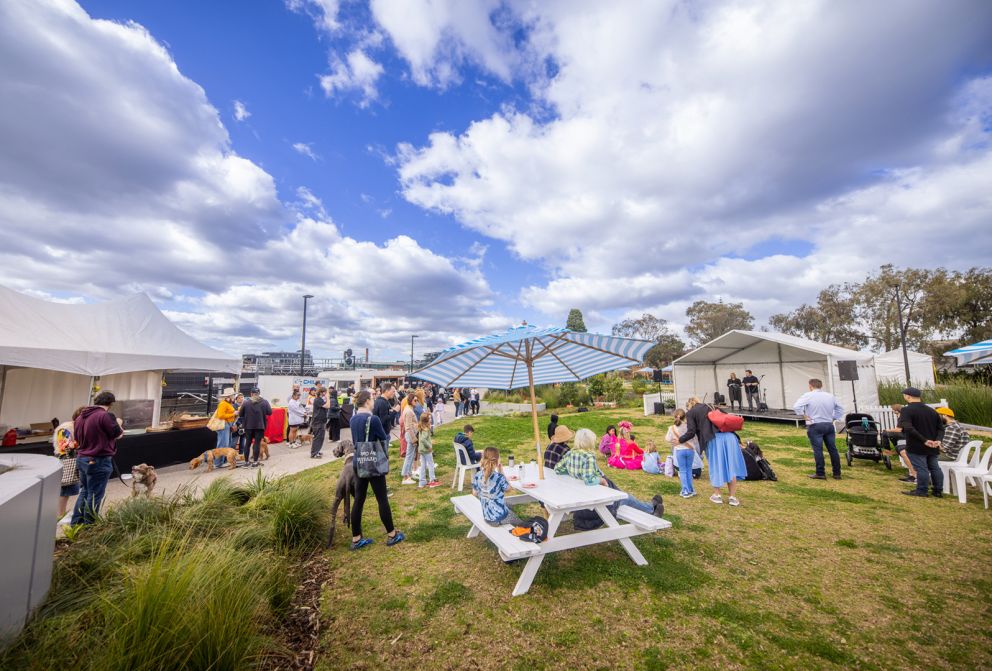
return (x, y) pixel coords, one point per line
(345, 489)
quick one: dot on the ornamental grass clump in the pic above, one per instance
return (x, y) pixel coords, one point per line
(296, 513)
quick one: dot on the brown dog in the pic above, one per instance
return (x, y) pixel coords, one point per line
(208, 457)
(143, 476)
(264, 450)
(345, 488)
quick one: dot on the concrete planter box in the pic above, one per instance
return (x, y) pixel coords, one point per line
(506, 408)
(29, 503)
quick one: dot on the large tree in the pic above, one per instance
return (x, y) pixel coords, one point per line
(892, 305)
(831, 320)
(710, 320)
(575, 321)
(649, 327)
(961, 304)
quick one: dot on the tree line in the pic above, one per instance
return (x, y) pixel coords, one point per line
(935, 310)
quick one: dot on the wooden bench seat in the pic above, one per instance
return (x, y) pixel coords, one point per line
(508, 545)
(641, 519)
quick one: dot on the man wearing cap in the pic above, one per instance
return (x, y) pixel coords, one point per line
(952, 437)
(557, 448)
(254, 415)
(921, 427)
(225, 413)
(821, 409)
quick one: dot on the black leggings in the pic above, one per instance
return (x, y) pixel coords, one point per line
(253, 444)
(379, 489)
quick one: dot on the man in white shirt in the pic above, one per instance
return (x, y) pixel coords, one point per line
(820, 409)
(297, 413)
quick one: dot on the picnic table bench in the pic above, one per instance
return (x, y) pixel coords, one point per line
(561, 495)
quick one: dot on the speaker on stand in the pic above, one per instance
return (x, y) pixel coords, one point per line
(847, 371)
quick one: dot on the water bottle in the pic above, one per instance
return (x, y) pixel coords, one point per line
(509, 461)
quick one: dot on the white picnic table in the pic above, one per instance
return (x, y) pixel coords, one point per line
(560, 495)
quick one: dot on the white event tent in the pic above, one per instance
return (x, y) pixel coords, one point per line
(784, 363)
(890, 367)
(52, 353)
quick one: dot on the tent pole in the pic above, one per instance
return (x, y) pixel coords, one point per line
(781, 376)
(3, 384)
(533, 412)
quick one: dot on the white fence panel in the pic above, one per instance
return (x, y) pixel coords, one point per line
(886, 418)
(651, 399)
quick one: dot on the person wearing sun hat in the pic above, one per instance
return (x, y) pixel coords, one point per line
(558, 447)
(952, 437)
(921, 425)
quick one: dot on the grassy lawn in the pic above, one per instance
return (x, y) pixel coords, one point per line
(805, 575)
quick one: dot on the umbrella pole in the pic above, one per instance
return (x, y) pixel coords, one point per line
(533, 415)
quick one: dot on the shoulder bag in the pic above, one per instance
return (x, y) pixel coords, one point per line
(371, 456)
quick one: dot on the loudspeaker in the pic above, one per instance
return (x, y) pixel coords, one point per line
(848, 370)
(656, 375)
(719, 399)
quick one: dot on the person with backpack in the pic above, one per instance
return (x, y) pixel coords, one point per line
(722, 450)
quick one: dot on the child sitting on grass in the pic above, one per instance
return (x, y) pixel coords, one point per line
(425, 444)
(652, 460)
(489, 485)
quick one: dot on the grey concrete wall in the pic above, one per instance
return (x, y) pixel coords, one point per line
(29, 501)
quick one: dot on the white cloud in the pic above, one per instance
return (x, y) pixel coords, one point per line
(680, 134)
(357, 72)
(241, 112)
(118, 175)
(323, 12)
(305, 149)
(437, 36)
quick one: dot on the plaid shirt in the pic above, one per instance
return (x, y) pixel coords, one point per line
(955, 437)
(581, 465)
(553, 454)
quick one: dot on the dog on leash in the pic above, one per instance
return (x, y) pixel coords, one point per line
(345, 489)
(143, 477)
(263, 452)
(209, 456)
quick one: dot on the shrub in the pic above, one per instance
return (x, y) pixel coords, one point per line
(597, 386)
(970, 400)
(297, 515)
(614, 390)
(639, 385)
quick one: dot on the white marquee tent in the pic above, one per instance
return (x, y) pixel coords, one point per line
(51, 354)
(784, 363)
(889, 367)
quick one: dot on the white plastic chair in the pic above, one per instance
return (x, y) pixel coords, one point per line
(962, 474)
(985, 482)
(963, 459)
(461, 454)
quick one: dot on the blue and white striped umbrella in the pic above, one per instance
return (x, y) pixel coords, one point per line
(500, 361)
(973, 354)
(527, 355)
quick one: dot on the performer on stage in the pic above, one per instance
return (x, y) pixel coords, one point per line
(734, 387)
(751, 389)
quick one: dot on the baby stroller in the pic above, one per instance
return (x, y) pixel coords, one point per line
(864, 439)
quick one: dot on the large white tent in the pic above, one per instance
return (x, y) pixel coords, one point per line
(890, 367)
(784, 364)
(51, 354)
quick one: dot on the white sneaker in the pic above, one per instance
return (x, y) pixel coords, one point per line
(408, 481)
(716, 498)
(733, 501)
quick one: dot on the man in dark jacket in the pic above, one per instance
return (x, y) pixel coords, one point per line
(384, 407)
(921, 426)
(318, 423)
(698, 424)
(96, 431)
(464, 438)
(254, 415)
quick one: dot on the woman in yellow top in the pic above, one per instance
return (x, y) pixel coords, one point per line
(225, 413)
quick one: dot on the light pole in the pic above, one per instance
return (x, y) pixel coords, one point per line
(303, 341)
(902, 331)
(411, 352)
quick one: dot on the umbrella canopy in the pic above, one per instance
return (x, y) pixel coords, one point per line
(972, 354)
(527, 355)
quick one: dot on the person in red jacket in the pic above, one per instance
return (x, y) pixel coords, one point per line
(96, 432)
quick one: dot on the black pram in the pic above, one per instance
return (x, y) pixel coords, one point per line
(863, 436)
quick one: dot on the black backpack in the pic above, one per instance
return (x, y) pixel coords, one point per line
(587, 520)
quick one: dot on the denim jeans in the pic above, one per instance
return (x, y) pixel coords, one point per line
(927, 472)
(637, 504)
(411, 452)
(94, 473)
(223, 440)
(426, 462)
(820, 433)
(683, 459)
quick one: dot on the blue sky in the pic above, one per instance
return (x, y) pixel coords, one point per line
(450, 167)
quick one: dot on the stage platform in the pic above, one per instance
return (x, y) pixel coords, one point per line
(771, 415)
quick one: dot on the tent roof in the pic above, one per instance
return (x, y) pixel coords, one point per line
(896, 355)
(735, 341)
(118, 336)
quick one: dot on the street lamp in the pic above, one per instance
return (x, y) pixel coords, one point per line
(902, 330)
(411, 352)
(303, 341)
